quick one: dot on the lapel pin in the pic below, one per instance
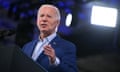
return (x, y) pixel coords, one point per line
(54, 43)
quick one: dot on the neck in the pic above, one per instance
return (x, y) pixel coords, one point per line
(44, 35)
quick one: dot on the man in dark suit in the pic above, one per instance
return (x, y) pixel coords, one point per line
(49, 49)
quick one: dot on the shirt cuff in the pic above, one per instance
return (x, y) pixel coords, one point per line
(57, 62)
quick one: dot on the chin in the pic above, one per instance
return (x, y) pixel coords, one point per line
(44, 31)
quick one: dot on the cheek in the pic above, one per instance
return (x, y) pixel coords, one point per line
(53, 26)
(38, 21)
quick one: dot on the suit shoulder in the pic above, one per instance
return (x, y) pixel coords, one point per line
(68, 42)
(30, 43)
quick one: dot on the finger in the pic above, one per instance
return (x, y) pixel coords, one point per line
(47, 50)
(48, 53)
(48, 47)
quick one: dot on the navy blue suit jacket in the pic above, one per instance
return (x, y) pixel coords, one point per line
(65, 51)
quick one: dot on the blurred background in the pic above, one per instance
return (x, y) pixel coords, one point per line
(18, 19)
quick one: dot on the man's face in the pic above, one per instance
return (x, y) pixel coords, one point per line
(47, 20)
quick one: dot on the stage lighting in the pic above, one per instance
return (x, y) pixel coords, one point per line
(104, 16)
(68, 19)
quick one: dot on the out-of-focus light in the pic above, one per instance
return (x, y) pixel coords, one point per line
(61, 4)
(30, 12)
(14, 9)
(6, 4)
(67, 10)
(81, 15)
(104, 16)
(23, 15)
(68, 19)
(69, 3)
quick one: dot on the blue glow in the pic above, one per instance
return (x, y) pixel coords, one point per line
(14, 9)
(61, 4)
(67, 10)
(5, 5)
(81, 16)
(0, 1)
(69, 3)
(114, 2)
(64, 30)
(22, 15)
(30, 12)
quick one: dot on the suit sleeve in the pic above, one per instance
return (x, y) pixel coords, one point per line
(68, 59)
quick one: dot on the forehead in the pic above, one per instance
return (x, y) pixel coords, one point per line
(47, 9)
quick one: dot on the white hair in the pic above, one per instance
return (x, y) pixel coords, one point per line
(52, 6)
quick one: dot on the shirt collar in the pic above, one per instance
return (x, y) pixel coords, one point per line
(50, 37)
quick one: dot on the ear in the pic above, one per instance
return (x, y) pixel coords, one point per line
(58, 22)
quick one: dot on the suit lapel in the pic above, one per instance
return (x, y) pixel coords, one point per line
(41, 56)
(33, 46)
(55, 41)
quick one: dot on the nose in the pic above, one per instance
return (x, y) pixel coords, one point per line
(44, 19)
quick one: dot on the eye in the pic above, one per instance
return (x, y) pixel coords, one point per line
(49, 16)
(42, 15)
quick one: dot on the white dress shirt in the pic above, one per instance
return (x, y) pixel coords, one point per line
(39, 48)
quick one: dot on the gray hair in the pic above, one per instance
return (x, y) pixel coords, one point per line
(52, 6)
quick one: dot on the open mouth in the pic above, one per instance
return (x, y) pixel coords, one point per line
(43, 25)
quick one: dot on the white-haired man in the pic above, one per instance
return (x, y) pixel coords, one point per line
(49, 49)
